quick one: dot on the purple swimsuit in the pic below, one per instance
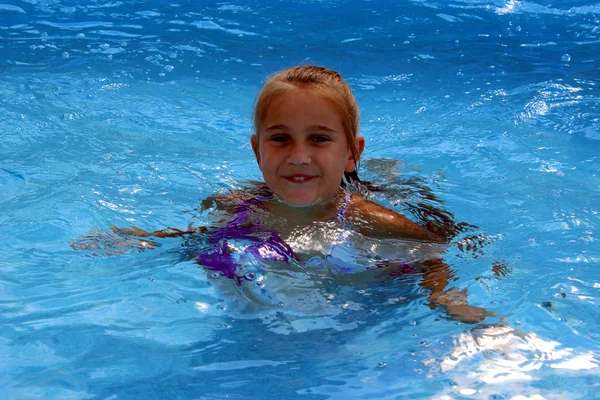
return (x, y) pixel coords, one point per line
(265, 244)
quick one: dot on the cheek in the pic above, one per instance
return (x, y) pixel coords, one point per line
(268, 157)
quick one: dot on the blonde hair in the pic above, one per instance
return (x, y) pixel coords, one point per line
(320, 81)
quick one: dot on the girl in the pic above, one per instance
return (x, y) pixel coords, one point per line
(307, 147)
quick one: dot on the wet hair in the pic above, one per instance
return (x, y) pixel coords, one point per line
(319, 81)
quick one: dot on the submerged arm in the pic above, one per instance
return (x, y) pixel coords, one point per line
(122, 240)
(162, 233)
(379, 222)
(224, 202)
(454, 300)
(435, 279)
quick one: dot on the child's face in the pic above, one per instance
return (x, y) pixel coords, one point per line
(302, 149)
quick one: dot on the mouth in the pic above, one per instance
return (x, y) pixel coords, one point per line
(299, 178)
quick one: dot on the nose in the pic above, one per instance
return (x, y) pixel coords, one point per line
(299, 154)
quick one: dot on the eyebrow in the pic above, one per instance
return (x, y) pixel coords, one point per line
(277, 127)
(322, 128)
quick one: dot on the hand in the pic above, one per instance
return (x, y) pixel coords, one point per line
(167, 232)
(468, 314)
(455, 303)
(133, 231)
(110, 243)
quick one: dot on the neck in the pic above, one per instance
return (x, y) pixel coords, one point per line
(315, 212)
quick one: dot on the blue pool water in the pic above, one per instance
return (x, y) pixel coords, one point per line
(131, 113)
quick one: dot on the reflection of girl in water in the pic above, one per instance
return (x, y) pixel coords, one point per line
(307, 146)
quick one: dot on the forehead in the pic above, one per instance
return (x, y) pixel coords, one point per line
(302, 104)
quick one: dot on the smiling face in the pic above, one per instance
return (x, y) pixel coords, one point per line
(302, 148)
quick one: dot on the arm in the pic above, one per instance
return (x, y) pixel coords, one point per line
(122, 240)
(435, 279)
(376, 221)
(167, 232)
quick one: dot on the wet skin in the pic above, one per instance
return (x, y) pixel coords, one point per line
(302, 149)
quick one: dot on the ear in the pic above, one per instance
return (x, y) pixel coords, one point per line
(351, 163)
(254, 144)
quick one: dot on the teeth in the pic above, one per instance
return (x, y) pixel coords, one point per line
(299, 178)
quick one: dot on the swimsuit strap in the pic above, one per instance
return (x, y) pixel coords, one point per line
(239, 228)
(244, 209)
(341, 213)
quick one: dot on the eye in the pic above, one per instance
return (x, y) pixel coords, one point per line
(320, 139)
(279, 138)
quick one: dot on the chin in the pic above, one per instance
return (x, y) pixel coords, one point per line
(300, 203)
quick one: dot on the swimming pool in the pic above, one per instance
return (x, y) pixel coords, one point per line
(115, 113)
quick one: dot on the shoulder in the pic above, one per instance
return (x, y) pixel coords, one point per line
(375, 220)
(224, 202)
(232, 200)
